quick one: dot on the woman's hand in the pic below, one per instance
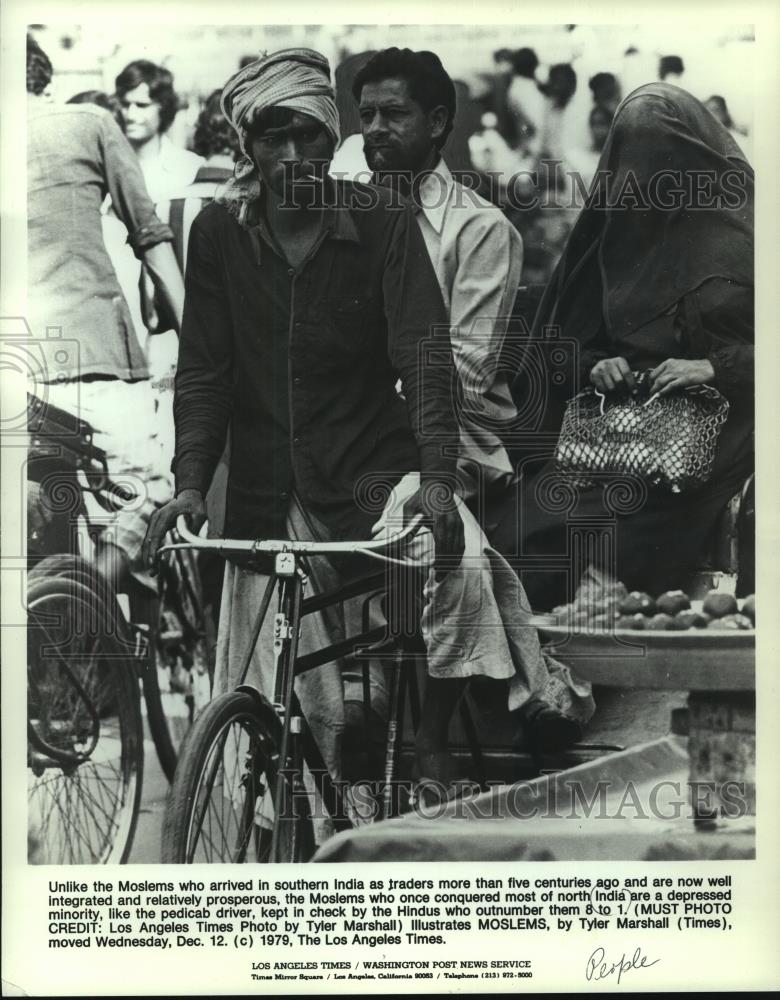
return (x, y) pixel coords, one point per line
(677, 373)
(612, 375)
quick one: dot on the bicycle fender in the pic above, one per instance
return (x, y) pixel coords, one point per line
(81, 584)
(264, 708)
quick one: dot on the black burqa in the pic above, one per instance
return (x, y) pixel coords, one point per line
(659, 265)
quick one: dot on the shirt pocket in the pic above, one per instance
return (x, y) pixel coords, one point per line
(351, 322)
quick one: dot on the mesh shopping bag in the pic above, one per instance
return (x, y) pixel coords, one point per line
(669, 441)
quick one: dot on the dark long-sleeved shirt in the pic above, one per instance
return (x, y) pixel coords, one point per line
(714, 321)
(76, 155)
(302, 365)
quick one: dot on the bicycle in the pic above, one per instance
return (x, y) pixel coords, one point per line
(239, 793)
(85, 656)
(84, 729)
(177, 678)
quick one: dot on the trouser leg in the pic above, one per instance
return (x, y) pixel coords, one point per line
(474, 623)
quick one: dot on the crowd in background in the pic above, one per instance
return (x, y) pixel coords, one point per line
(532, 126)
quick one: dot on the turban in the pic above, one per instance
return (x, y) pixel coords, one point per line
(298, 79)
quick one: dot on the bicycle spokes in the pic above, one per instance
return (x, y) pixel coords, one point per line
(232, 795)
(66, 692)
(84, 737)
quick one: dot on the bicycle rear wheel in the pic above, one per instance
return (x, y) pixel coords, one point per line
(221, 806)
(85, 737)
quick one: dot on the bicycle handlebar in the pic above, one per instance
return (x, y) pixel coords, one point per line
(276, 546)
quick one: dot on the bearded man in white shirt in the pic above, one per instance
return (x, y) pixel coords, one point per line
(407, 106)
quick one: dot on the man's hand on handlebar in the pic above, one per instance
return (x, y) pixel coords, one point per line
(188, 502)
(436, 502)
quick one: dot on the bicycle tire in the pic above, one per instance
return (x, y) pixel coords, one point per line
(83, 804)
(187, 681)
(211, 820)
(81, 573)
(169, 712)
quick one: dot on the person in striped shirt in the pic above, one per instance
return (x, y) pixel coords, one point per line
(214, 140)
(216, 143)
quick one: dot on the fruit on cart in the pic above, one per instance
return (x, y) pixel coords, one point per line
(601, 607)
(660, 622)
(595, 592)
(737, 621)
(635, 622)
(692, 619)
(595, 598)
(672, 602)
(637, 602)
(718, 605)
(562, 613)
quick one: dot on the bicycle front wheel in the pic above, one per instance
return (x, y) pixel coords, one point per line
(84, 731)
(221, 805)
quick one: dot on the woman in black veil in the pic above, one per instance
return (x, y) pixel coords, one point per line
(657, 276)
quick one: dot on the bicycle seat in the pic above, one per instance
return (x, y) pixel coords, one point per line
(62, 443)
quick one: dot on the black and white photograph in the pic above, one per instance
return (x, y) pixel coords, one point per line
(383, 402)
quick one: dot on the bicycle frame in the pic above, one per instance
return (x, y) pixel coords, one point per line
(289, 578)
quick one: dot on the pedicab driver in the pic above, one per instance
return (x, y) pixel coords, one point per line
(306, 300)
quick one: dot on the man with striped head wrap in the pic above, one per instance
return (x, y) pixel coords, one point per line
(298, 79)
(300, 317)
(283, 109)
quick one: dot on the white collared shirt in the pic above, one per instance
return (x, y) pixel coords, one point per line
(478, 256)
(170, 171)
